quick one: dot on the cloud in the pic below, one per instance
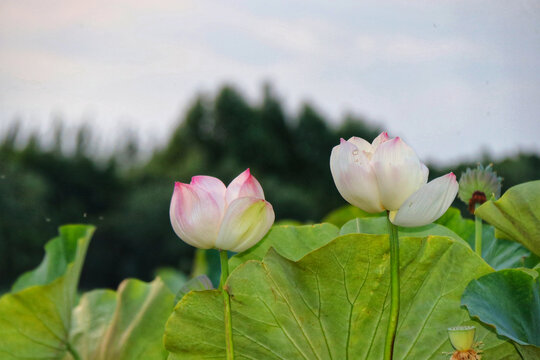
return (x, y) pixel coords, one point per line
(418, 67)
(411, 49)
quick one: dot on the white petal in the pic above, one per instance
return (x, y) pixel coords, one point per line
(399, 172)
(215, 187)
(246, 222)
(425, 173)
(354, 177)
(427, 204)
(195, 216)
(244, 185)
(382, 138)
(361, 144)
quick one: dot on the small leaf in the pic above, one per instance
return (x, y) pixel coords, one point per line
(199, 283)
(509, 300)
(516, 215)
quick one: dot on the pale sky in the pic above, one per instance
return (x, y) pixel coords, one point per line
(450, 77)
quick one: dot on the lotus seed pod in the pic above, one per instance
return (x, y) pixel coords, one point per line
(462, 337)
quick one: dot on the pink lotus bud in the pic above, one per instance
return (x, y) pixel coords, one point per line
(388, 175)
(206, 214)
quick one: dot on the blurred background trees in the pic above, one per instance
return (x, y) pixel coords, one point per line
(44, 186)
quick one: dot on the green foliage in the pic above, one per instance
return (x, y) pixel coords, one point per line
(221, 134)
(333, 303)
(173, 278)
(136, 239)
(499, 253)
(199, 283)
(38, 319)
(68, 248)
(124, 325)
(42, 188)
(291, 242)
(378, 225)
(516, 215)
(299, 293)
(344, 214)
(35, 318)
(23, 220)
(207, 262)
(91, 319)
(509, 300)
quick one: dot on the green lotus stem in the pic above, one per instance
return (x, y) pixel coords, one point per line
(73, 352)
(478, 232)
(200, 263)
(227, 302)
(394, 290)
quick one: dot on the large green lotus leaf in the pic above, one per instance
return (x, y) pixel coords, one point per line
(499, 253)
(125, 325)
(509, 300)
(334, 304)
(528, 352)
(68, 248)
(291, 242)
(378, 225)
(36, 317)
(516, 215)
(289, 222)
(344, 214)
(91, 318)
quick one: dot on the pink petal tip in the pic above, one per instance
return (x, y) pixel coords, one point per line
(195, 180)
(178, 184)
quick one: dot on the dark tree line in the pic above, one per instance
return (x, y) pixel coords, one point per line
(42, 187)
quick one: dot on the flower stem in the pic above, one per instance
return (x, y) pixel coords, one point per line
(200, 263)
(478, 233)
(227, 303)
(74, 354)
(394, 290)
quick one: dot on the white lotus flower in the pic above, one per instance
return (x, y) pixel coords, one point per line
(387, 175)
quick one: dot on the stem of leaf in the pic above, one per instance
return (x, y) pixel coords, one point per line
(227, 303)
(73, 352)
(478, 233)
(394, 291)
